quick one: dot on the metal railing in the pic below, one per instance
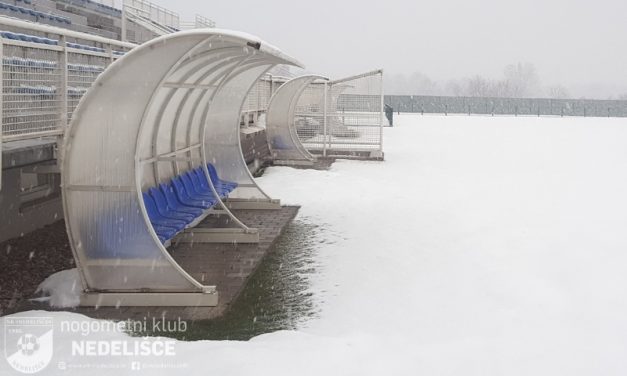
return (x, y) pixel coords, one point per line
(154, 12)
(258, 98)
(45, 71)
(343, 116)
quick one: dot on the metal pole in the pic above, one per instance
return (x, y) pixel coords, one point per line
(64, 121)
(324, 120)
(381, 116)
(64, 78)
(124, 20)
(1, 102)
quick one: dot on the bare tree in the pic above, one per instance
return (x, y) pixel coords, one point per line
(478, 86)
(522, 80)
(558, 92)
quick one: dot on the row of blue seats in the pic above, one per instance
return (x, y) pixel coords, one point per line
(28, 38)
(84, 68)
(36, 90)
(29, 63)
(173, 206)
(36, 39)
(86, 47)
(47, 90)
(76, 91)
(34, 13)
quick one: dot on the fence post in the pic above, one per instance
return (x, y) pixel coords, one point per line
(63, 65)
(1, 102)
(64, 81)
(381, 115)
(124, 21)
(324, 120)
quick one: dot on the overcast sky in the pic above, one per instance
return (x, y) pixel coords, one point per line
(571, 42)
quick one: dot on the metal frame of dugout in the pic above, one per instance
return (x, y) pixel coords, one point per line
(294, 96)
(167, 107)
(311, 115)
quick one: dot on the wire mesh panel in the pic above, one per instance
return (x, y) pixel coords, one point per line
(32, 81)
(45, 72)
(343, 117)
(257, 99)
(82, 72)
(309, 116)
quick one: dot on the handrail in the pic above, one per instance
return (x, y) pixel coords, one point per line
(14, 22)
(351, 78)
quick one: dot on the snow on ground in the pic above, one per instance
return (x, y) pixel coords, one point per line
(61, 290)
(481, 246)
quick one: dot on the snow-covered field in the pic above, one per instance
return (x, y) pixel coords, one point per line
(481, 246)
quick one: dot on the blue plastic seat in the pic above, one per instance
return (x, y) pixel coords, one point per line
(165, 210)
(215, 179)
(164, 233)
(156, 218)
(221, 188)
(199, 186)
(173, 201)
(200, 178)
(184, 198)
(192, 191)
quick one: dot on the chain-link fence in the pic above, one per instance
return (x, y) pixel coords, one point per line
(507, 106)
(343, 117)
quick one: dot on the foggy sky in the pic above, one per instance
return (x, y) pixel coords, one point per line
(571, 42)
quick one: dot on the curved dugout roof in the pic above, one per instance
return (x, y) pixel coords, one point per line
(281, 118)
(169, 105)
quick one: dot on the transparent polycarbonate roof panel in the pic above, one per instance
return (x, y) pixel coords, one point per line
(127, 135)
